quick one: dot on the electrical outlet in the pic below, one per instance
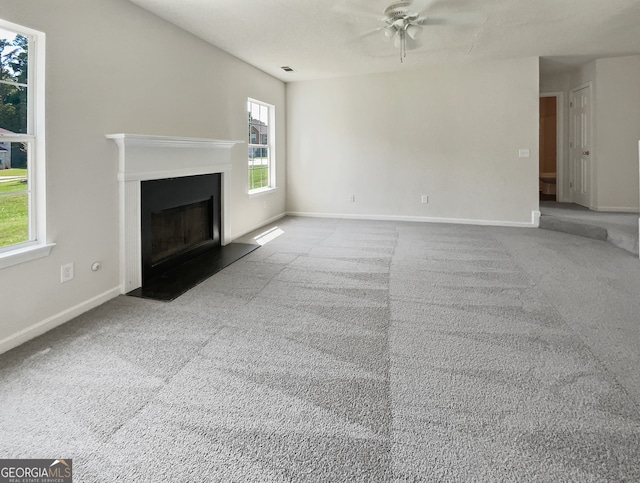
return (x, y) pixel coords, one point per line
(66, 272)
(523, 153)
(424, 199)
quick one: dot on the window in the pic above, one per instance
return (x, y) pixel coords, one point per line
(261, 151)
(22, 203)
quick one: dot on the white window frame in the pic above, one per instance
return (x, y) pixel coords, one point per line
(271, 150)
(37, 246)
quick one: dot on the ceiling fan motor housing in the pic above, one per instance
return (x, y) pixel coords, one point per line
(398, 10)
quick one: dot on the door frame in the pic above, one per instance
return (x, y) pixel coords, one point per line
(560, 154)
(592, 158)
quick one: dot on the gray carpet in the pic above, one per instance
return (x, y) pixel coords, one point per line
(619, 229)
(351, 351)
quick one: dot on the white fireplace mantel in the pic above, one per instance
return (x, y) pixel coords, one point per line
(147, 157)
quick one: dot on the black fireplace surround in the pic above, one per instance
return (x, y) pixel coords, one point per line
(180, 219)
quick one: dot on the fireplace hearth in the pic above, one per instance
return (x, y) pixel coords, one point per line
(180, 235)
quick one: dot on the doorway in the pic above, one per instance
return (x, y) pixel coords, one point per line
(548, 149)
(551, 168)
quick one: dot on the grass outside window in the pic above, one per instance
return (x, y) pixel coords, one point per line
(258, 176)
(14, 208)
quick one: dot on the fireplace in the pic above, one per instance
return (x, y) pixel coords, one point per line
(180, 219)
(150, 158)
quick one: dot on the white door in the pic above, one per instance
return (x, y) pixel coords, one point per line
(580, 146)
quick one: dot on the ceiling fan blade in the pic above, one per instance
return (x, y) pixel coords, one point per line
(419, 6)
(436, 21)
(454, 19)
(369, 33)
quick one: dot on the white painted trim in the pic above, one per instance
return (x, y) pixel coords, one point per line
(170, 141)
(616, 209)
(271, 145)
(39, 187)
(535, 218)
(262, 192)
(422, 219)
(560, 159)
(25, 254)
(260, 225)
(60, 318)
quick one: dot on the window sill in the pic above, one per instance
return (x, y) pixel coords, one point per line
(25, 254)
(262, 192)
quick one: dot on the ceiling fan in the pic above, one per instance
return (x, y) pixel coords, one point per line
(404, 21)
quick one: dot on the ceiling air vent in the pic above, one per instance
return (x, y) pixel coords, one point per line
(286, 68)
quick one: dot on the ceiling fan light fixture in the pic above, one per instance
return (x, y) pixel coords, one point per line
(414, 31)
(398, 40)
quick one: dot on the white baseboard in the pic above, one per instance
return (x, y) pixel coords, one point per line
(535, 217)
(55, 320)
(235, 236)
(616, 209)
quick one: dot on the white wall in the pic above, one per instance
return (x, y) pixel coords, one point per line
(112, 67)
(617, 105)
(452, 133)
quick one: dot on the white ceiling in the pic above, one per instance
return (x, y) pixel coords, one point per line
(322, 38)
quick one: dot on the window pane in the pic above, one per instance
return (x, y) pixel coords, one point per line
(255, 112)
(264, 114)
(13, 109)
(14, 194)
(263, 135)
(13, 56)
(258, 168)
(13, 72)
